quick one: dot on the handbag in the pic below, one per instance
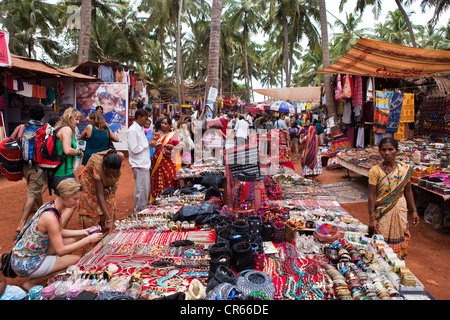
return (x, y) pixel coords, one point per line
(6, 265)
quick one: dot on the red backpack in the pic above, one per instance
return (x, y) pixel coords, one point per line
(46, 155)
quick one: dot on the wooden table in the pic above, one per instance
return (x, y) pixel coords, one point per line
(353, 167)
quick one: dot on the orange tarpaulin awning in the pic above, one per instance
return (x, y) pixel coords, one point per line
(373, 58)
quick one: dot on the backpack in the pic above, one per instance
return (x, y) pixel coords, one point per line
(27, 141)
(293, 132)
(11, 161)
(46, 155)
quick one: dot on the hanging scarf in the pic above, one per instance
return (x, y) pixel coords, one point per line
(381, 113)
(311, 149)
(395, 109)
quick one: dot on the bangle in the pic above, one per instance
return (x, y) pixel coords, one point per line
(108, 221)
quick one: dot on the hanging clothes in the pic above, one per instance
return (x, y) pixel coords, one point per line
(347, 116)
(357, 92)
(360, 138)
(347, 87)
(407, 114)
(395, 109)
(338, 90)
(381, 113)
(62, 93)
(106, 73)
(369, 90)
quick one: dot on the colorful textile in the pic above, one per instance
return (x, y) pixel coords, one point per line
(311, 148)
(391, 207)
(106, 73)
(31, 250)
(395, 109)
(347, 87)
(163, 168)
(339, 143)
(381, 113)
(357, 92)
(407, 115)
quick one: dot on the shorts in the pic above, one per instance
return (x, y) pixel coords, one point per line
(295, 139)
(45, 267)
(35, 181)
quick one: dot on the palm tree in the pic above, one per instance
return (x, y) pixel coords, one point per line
(331, 110)
(212, 73)
(244, 18)
(31, 25)
(395, 29)
(440, 6)
(350, 34)
(85, 31)
(307, 74)
(376, 4)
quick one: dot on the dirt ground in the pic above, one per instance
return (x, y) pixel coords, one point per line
(428, 254)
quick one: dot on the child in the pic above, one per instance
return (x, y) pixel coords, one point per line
(114, 118)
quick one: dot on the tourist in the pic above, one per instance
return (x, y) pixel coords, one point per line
(33, 174)
(320, 130)
(281, 123)
(139, 158)
(242, 130)
(311, 158)
(163, 167)
(97, 135)
(45, 246)
(98, 198)
(391, 198)
(66, 144)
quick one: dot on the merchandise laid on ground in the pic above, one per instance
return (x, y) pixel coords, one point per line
(279, 237)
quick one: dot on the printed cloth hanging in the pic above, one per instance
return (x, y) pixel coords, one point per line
(347, 87)
(381, 113)
(106, 73)
(119, 75)
(357, 92)
(338, 90)
(407, 114)
(395, 109)
(369, 93)
(360, 138)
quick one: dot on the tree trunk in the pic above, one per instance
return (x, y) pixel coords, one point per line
(286, 52)
(326, 60)
(408, 23)
(247, 76)
(85, 31)
(161, 49)
(214, 47)
(179, 70)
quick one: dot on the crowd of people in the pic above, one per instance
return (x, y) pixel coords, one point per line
(156, 151)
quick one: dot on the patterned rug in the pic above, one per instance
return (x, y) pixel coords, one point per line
(348, 192)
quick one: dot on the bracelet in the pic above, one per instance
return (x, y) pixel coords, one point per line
(108, 221)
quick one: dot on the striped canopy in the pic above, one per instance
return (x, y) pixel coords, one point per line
(373, 58)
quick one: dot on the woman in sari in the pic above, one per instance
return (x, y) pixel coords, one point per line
(98, 198)
(312, 160)
(391, 198)
(163, 169)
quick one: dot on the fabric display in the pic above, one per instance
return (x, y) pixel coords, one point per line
(106, 73)
(395, 110)
(381, 113)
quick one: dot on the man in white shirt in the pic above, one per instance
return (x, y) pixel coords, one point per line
(249, 119)
(139, 158)
(241, 129)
